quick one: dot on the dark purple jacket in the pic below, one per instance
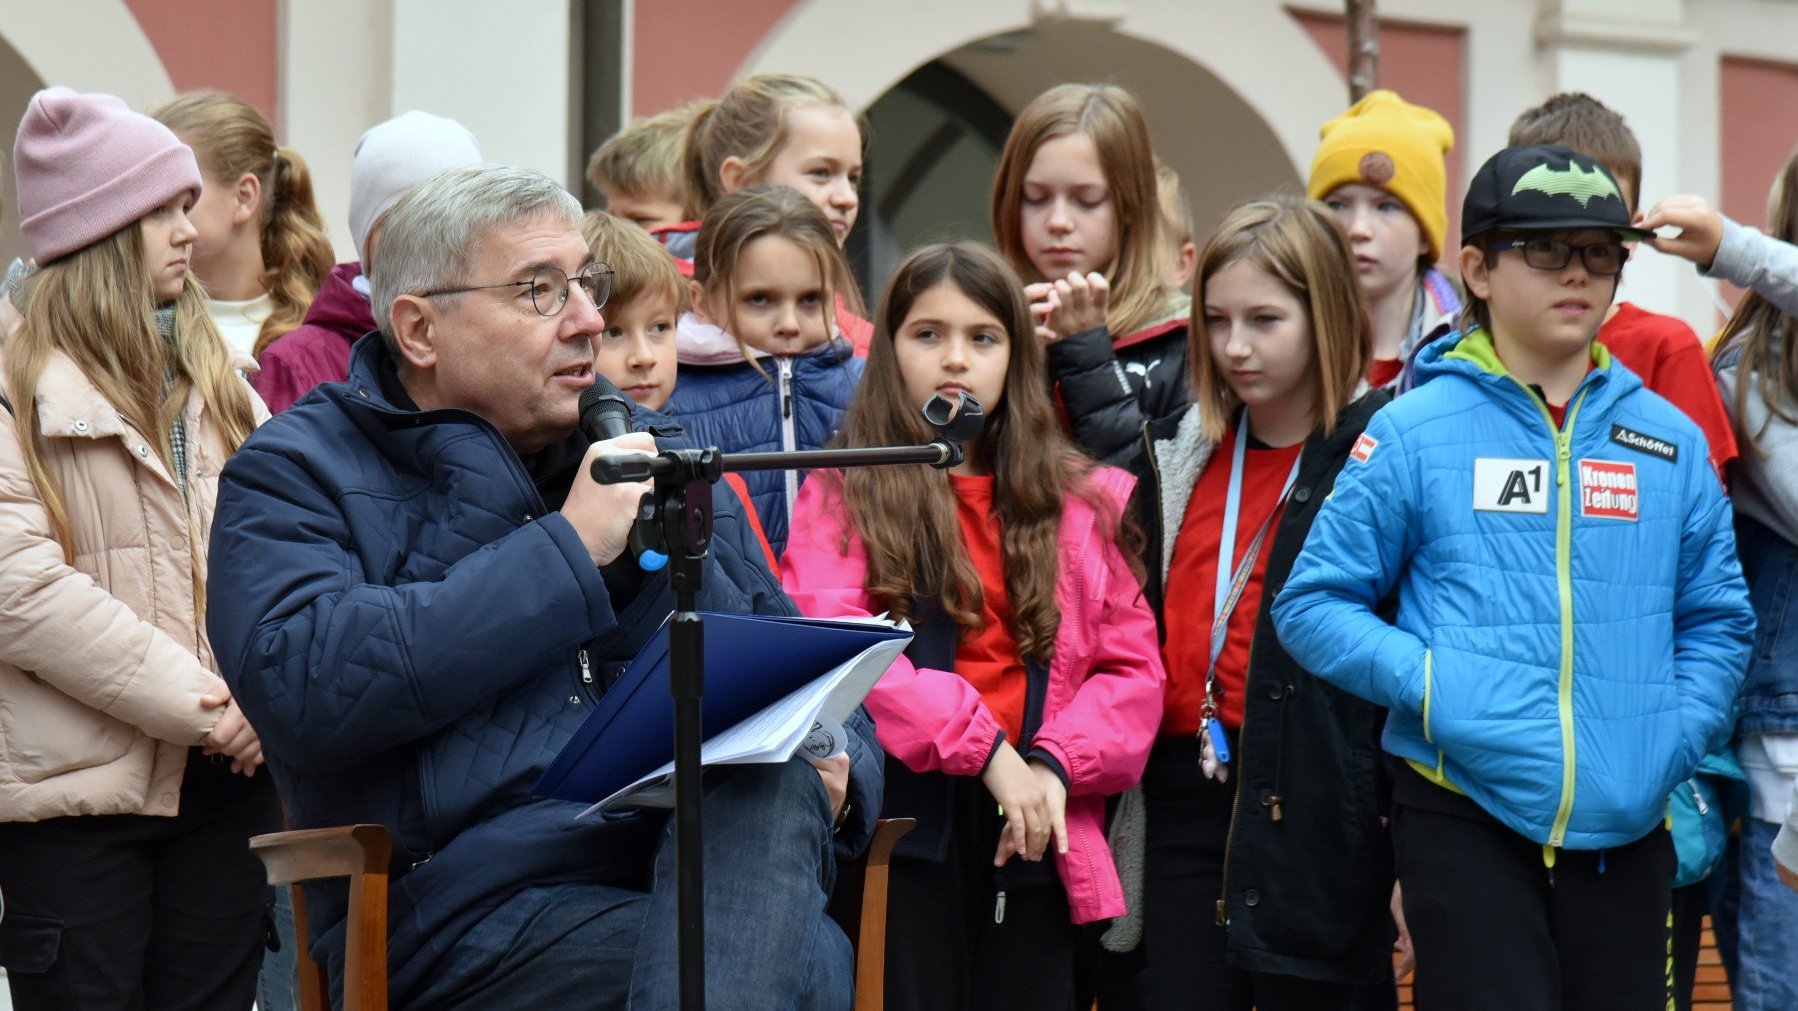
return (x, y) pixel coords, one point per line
(318, 350)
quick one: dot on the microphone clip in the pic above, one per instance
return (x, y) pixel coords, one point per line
(956, 421)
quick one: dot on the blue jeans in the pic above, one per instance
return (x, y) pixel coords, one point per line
(768, 942)
(1766, 976)
(278, 983)
(1769, 697)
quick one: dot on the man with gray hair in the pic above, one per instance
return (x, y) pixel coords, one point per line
(417, 592)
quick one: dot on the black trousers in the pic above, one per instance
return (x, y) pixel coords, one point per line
(1183, 962)
(131, 912)
(1690, 905)
(1494, 928)
(953, 945)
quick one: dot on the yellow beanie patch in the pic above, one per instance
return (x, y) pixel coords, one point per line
(1386, 142)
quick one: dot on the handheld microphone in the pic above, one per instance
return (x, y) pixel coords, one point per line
(606, 414)
(605, 411)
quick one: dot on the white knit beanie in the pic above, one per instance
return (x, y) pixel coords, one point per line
(393, 157)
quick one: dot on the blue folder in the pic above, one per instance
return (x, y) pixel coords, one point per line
(751, 662)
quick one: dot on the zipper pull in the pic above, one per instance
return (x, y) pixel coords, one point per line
(1698, 798)
(786, 389)
(1275, 802)
(586, 668)
(999, 908)
(1563, 453)
(1221, 918)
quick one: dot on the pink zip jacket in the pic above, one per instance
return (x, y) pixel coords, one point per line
(1105, 682)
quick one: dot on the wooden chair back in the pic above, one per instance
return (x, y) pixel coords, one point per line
(859, 905)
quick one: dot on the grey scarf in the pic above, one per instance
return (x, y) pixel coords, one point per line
(165, 325)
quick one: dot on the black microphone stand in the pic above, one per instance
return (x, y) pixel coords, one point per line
(678, 523)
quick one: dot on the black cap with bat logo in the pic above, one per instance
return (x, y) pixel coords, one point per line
(1544, 187)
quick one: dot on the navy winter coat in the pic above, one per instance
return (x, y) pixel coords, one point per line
(794, 402)
(415, 635)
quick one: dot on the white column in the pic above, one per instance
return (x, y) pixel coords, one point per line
(336, 70)
(502, 70)
(1629, 54)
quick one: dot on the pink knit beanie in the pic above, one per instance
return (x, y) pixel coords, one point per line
(87, 166)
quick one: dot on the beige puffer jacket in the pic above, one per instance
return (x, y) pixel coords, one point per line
(102, 664)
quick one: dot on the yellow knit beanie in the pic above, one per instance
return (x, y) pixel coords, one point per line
(1386, 142)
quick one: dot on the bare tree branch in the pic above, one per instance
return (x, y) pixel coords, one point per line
(1363, 48)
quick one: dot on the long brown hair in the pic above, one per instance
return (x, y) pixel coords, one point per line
(231, 138)
(905, 516)
(1112, 119)
(1299, 243)
(97, 306)
(740, 218)
(1762, 332)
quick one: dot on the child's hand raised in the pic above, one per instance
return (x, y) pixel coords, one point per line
(1072, 305)
(1700, 228)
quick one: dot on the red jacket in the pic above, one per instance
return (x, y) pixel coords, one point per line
(1105, 682)
(318, 351)
(1669, 357)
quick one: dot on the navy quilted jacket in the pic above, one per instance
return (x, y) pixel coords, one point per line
(415, 635)
(796, 402)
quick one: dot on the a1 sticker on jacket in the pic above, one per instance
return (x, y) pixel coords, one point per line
(1607, 490)
(1511, 486)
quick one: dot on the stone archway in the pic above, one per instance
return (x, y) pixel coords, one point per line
(1257, 52)
(1223, 148)
(109, 53)
(18, 82)
(1234, 96)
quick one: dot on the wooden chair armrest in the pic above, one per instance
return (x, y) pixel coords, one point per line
(313, 853)
(363, 854)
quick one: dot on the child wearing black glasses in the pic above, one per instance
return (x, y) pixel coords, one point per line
(1572, 624)
(1661, 350)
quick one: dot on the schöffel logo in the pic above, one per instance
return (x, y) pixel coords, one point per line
(1632, 439)
(1607, 489)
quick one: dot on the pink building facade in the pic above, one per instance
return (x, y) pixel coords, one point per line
(1235, 91)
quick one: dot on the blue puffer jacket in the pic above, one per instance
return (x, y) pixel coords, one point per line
(1572, 624)
(414, 635)
(793, 403)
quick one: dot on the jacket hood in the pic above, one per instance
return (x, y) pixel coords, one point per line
(697, 342)
(339, 307)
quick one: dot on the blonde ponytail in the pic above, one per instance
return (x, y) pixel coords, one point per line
(231, 138)
(296, 254)
(749, 123)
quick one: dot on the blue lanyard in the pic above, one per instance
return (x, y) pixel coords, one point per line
(1232, 580)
